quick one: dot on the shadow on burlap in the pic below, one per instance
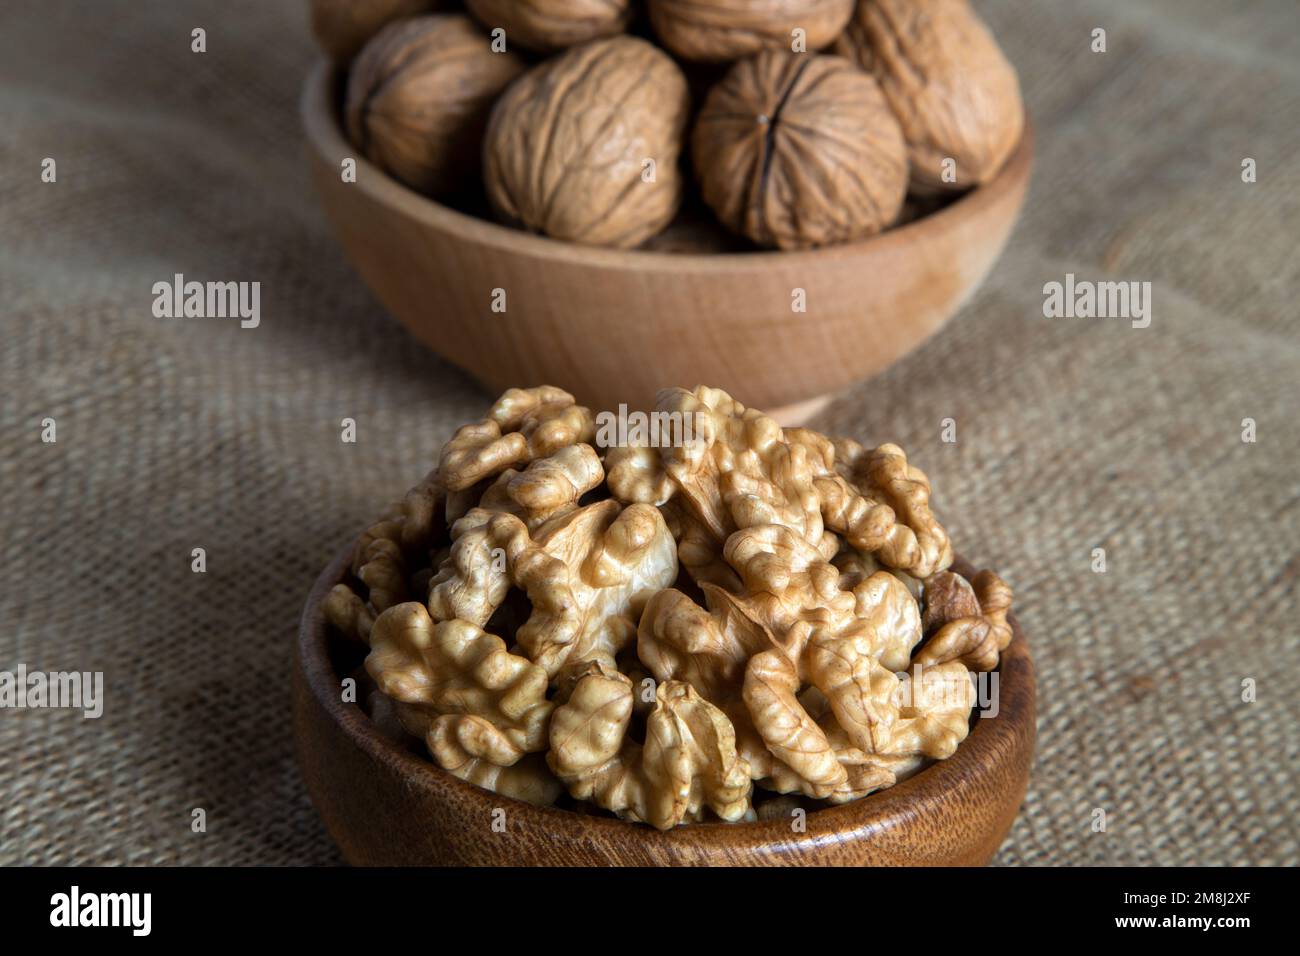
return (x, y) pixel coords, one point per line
(1072, 434)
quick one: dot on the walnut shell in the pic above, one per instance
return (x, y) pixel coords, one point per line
(948, 597)
(566, 146)
(799, 150)
(342, 27)
(730, 29)
(549, 25)
(419, 97)
(953, 90)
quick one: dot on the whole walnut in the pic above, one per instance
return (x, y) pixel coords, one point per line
(549, 25)
(730, 29)
(955, 94)
(800, 150)
(585, 146)
(419, 97)
(342, 27)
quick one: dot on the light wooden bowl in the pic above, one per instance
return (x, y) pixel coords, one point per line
(611, 326)
(387, 806)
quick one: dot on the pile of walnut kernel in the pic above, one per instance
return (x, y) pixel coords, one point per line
(679, 125)
(710, 630)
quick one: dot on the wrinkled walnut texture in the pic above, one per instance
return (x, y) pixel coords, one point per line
(730, 29)
(573, 143)
(549, 25)
(799, 150)
(948, 597)
(419, 96)
(976, 640)
(670, 632)
(954, 92)
(687, 761)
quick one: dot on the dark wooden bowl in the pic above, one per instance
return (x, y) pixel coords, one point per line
(387, 806)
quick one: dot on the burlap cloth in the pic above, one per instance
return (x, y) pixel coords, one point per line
(1072, 434)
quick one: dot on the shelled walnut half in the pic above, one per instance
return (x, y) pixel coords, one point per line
(671, 634)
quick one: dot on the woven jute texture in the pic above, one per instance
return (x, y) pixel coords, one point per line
(1072, 434)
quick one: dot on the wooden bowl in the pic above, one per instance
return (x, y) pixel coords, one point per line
(387, 806)
(611, 326)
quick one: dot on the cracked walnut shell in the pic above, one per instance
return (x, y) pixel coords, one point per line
(799, 150)
(947, 80)
(549, 25)
(717, 30)
(419, 96)
(585, 146)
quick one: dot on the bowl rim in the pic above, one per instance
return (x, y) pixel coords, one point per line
(991, 743)
(325, 135)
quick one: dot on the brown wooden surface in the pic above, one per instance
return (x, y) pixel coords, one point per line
(387, 806)
(612, 326)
